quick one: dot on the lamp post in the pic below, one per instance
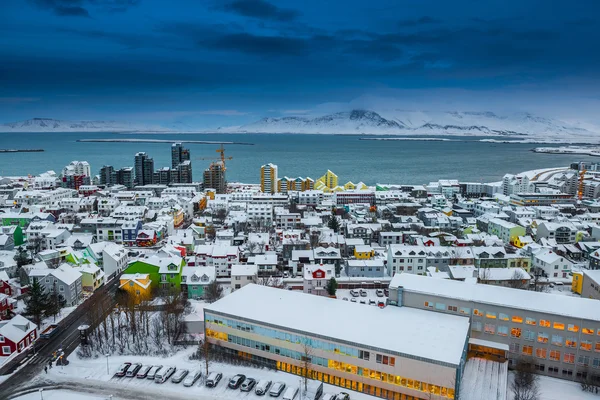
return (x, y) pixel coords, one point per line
(107, 371)
(42, 393)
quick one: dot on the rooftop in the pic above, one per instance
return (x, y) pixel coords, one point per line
(328, 318)
(572, 307)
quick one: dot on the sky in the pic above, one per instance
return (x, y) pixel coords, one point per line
(208, 63)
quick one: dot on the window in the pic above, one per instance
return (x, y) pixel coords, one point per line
(573, 328)
(555, 355)
(514, 347)
(131, 284)
(503, 317)
(540, 353)
(490, 328)
(530, 321)
(530, 335)
(517, 320)
(583, 360)
(545, 323)
(587, 331)
(491, 315)
(478, 313)
(6, 350)
(569, 358)
(363, 355)
(477, 326)
(464, 310)
(452, 308)
(503, 330)
(542, 337)
(597, 347)
(585, 345)
(559, 326)
(557, 340)
(1, 339)
(440, 306)
(571, 342)
(528, 350)
(596, 363)
(378, 358)
(515, 332)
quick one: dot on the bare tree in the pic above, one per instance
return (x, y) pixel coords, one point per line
(306, 362)
(525, 383)
(272, 281)
(484, 275)
(204, 351)
(213, 292)
(516, 279)
(316, 238)
(251, 247)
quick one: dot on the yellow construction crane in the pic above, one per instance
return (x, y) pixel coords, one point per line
(221, 159)
(580, 189)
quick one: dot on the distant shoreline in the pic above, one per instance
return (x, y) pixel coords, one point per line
(21, 150)
(160, 141)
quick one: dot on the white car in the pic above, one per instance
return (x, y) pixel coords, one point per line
(192, 378)
(290, 393)
(179, 376)
(262, 387)
(153, 371)
(354, 293)
(379, 293)
(363, 293)
(164, 375)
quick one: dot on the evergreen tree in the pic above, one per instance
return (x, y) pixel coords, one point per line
(37, 302)
(333, 223)
(21, 257)
(331, 286)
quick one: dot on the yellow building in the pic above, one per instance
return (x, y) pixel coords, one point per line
(364, 252)
(137, 285)
(202, 203)
(522, 241)
(268, 178)
(329, 180)
(577, 284)
(349, 186)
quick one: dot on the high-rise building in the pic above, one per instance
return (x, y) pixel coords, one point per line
(214, 178)
(78, 168)
(107, 173)
(181, 166)
(163, 176)
(179, 154)
(184, 172)
(268, 178)
(124, 176)
(144, 169)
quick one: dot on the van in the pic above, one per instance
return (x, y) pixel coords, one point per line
(290, 393)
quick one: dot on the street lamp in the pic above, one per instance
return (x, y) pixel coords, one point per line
(42, 394)
(107, 371)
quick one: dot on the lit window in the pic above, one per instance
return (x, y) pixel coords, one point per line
(464, 310)
(573, 328)
(516, 319)
(542, 337)
(491, 315)
(515, 332)
(545, 323)
(587, 331)
(571, 342)
(530, 321)
(540, 353)
(528, 350)
(478, 313)
(569, 358)
(559, 326)
(490, 328)
(554, 355)
(503, 317)
(585, 345)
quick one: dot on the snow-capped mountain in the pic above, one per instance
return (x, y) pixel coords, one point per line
(54, 125)
(401, 122)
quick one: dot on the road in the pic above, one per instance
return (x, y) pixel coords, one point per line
(66, 339)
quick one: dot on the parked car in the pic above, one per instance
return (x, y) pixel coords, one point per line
(213, 379)
(236, 381)
(133, 370)
(262, 387)
(123, 369)
(353, 300)
(248, 385)
(386, 292)
(180, 375)
(372, 302)
(329, 396)
(354, 293)
(192, 378)
(290, 393)
(381, 304)
(143, 372)
(164, 375)
(276, 389)
(343, 396)
(379, 293)
(153, 371)
(363, 293)
(363, 301)
(345, 298)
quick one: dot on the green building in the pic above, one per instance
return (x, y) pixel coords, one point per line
(16, 232)
(194, 280)
(164, 270)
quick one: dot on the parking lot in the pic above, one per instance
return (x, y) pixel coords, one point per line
(371, 296)
(96, 369)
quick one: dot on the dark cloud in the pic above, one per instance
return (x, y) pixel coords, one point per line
(426, 20)
(255, 44)
(64, 8)
(261, 9)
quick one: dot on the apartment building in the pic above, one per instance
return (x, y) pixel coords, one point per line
(507, 231)
(413, 363)
(560, 333)
(540, 199)
(562, 232)
(268, 178)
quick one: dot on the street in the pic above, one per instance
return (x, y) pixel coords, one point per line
(66, 339)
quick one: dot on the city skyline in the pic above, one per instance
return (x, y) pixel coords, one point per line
(208, 64)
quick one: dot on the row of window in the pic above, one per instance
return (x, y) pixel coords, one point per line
(555, 355)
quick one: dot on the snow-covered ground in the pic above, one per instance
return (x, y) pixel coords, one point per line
(557, 389)
(59, 317)
(588, 151)
(484, 379)
(61, 395)
(93, 372)
(371, 295)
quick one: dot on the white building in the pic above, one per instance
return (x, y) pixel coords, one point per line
(241, 275)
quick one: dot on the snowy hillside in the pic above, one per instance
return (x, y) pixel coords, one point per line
(399, 122)
(54, 125)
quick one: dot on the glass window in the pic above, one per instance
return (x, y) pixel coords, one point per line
(478, 313)
(516, 319)
(491, 315)
(545, 323)
(585, 345)
(477, 326)
(555, 355)
(542, 337)
(464, 310)
(540, 352)
(587, 331)
(503, 317)
(530, 335)
(573, 328)
(514, 347)
(583, 360)
(559, 326)
(490, 328)
(571, 342)
(440, 306)
(515, 332)
(596, 363)
(557, 340)
(528, 350)
(569, 358)
(530, 321)
(503, 330)
(597, 347)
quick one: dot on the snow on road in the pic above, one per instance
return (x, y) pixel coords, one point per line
(61, 395)
(92, 376)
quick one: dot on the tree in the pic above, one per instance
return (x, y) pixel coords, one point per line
(306, 361)
(516, 279)
(221, 214)
(333, 223)
(205, 353)
(331, 286)
(316, 238)
(525, 383)
(21, 259)
(271, 281)
(54, 304)
(213, 292)
(37, 302)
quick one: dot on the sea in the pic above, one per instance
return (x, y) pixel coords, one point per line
(369, 161)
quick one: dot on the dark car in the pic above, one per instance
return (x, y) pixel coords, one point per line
(343, 396)
(236, 381)
(248, 385)
(123, 369)
(133, 370)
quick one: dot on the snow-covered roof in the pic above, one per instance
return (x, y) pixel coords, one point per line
(66, 274)
(16, 328)
(328, 319)
(503, 274)
(553, 304)
(244, 270)
(137, 279)
(265, 259)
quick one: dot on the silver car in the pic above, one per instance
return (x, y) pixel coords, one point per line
(153, 371)
(192, 378)
(164, 375)
(179, 376)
